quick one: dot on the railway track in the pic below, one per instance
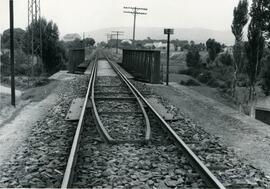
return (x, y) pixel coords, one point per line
(117, 109)
(120, 149)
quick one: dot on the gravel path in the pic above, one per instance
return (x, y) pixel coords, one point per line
(41, 159)
(233, 171)
(156, 165)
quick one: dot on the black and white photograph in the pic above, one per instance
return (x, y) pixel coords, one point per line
(135, 94)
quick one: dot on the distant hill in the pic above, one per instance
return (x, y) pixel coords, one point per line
(196, 34)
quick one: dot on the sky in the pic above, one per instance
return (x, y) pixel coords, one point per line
(78, 16)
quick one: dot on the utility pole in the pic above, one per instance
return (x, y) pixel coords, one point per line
(117, 34)
(134, 11)
(12, 52)
(168, 32)
(83, 41)
(109, 37)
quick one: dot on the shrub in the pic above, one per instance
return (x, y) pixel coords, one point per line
(190, 82)
(213, 48)
(185, 72)
(242, 80)
(205, 77)
(225, 59)
(213, 83)
(193, 58)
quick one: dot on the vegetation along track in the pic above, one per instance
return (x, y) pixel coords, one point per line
(103, 157)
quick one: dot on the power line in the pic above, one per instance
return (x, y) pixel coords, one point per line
(134, 11)
(117, 33)
(109, 36)
(34, 15)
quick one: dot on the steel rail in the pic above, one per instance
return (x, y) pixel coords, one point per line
(147, 122)
(69, 172)
(101, 129)
(103, 132)
(196, 163)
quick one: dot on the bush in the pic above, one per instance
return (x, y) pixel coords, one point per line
(213, 83)
(190, 82)
(222, 84)
(225, 59)
(205, 77)
(193, 58)
(194, 72)
(243, 80)
(185, 72)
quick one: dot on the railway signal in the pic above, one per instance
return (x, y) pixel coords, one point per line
(117, 33)
(168, 32)
(134, 11)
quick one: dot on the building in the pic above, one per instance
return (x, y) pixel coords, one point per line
(149, 46)
(71, 37)
(158, 45)
(229, 49)
(126, 41)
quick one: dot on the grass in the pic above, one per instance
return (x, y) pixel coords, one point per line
(24, 82)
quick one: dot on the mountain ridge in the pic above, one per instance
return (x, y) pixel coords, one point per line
(196, 34)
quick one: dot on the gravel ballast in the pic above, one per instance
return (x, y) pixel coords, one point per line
(227, 166)
(41, 159)
(156, 165)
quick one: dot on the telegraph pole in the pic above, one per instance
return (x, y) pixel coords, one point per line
(117, 34)
(108, 37)
(12, 52)
(134, 11)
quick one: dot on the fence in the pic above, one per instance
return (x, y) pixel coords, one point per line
(144, 65)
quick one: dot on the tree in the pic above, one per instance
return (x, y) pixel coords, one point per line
(102, 44)
(265, 8)
(89, 42)
(213, 48)
(193, 58)
(112, 43)
(19, 38)
(52, 49)
(75, 44)
(225, 59)
(255, 46)
(240, 19)
(125, 45)
(265, 75)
